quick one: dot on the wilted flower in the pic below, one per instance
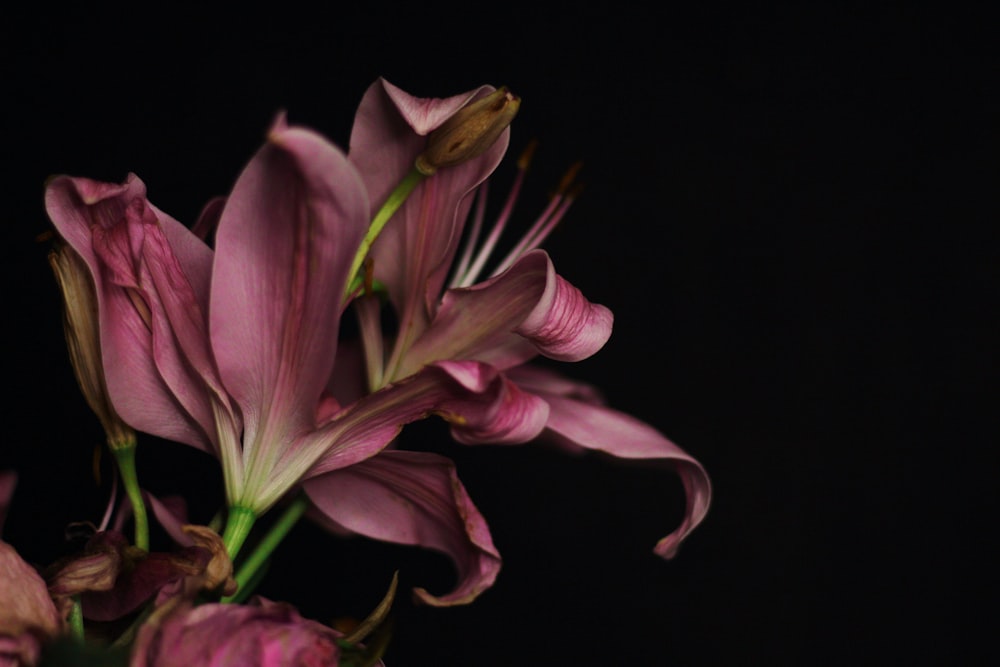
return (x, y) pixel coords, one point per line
(28, 616)
(112, 578)
(259, 634)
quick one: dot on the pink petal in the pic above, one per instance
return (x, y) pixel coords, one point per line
(544, 381)
(492, 410)
(599, 428)
(180, 333)
(413, 498)
(480, 404)
(529, 300)
(426, 114)
(109, 226)
(208, 220)
(170, 513)
(284, 245)
(564, 325)
(414, 252)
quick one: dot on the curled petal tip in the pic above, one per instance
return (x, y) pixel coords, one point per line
(278, 126)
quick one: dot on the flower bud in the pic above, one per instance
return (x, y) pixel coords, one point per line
(82, 339)
(470, 132)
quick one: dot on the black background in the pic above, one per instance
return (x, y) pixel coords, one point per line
(791, 212)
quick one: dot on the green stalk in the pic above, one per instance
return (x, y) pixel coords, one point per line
(391, 205)
(268, 544)
(125, 457)
(238, 525)
(76, 618)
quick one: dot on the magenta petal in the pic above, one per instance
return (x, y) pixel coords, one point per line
(284, 246)
(413, 498)
(603, 429)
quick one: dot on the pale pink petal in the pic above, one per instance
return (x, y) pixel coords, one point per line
(528, 301)
(413, 498)
(414, 252)
(284, 246)
(426, 114)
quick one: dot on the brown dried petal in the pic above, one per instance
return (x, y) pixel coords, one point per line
(218, 574)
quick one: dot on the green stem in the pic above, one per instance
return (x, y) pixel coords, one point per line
(279, 530)
(238, 525)
(76, 618)
(125, 457)
(391, 205)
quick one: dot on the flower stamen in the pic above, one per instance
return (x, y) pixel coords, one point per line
(466, 272)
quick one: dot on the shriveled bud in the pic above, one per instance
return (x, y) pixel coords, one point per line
(82, 339)
(218, 574)
(470, 132)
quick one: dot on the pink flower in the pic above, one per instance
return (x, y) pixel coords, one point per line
(483, 332)
(259, 634)
(230, 349)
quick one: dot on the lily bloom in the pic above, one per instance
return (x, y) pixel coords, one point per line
(229, 349)
(447, 314)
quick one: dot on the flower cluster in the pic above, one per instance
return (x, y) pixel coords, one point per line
(225, 335)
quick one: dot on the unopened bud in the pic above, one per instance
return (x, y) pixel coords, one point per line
(470, 132)
(83, 341)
